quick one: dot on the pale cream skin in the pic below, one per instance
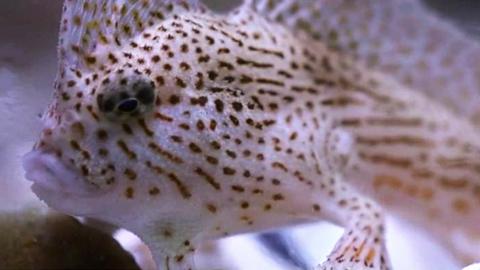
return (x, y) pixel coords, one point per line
(183, 126)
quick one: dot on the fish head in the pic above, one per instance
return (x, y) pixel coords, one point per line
(105, 150)
(93, 135)
(155, 107)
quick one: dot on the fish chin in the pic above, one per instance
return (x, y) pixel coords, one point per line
(61, 187)
(50, 175)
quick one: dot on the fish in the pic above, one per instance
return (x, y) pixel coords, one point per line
(183, 125)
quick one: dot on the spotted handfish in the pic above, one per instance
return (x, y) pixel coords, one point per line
(183, 125)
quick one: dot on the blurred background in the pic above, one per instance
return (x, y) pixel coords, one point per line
(28, 37)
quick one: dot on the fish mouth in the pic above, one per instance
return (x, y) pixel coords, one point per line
(49, 174)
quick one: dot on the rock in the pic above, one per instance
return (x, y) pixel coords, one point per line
(42, 239)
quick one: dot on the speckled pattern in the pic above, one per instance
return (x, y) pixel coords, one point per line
(182, 125)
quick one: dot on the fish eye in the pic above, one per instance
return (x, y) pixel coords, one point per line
(106, 104)
(130, 97)
(128, 105)
(146, 95)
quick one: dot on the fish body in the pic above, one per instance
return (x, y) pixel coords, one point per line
(182, 126)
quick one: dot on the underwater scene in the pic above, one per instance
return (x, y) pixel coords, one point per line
(240, 135)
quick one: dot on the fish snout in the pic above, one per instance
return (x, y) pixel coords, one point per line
(49, 173)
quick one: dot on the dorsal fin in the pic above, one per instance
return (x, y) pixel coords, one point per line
(399, 37)
(88, 24)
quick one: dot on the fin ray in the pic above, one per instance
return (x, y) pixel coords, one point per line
(88, 24)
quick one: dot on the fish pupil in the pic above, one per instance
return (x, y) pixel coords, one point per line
(128, 105)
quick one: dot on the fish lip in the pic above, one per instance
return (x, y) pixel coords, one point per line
(49, 174)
